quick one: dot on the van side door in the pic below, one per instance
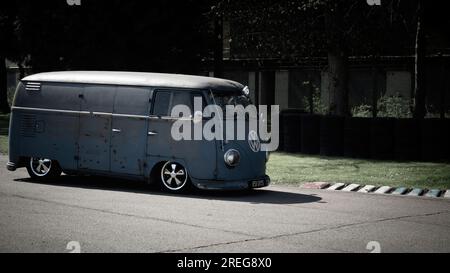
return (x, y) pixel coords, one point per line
(94, 138)
(129, 130)
(198, 156)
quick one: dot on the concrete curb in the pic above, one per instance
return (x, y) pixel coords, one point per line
(316, 185)
(434, 193)
(400, 191)
(336, 187)
(352, 187)
(416, 192)
(367, 189)
(447, 194)
(384, 190)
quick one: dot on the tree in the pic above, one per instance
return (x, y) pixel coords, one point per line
(218, 47)
(160, 36)
(333, 29)
(337, 58)
(432, 37)
(4, 106)
(8, 49)
(420, 55)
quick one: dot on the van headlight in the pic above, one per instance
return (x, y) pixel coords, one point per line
(232, 158)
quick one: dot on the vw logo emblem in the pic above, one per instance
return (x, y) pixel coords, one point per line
(253, 141)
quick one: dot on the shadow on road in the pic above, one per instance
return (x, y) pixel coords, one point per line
(260, 196)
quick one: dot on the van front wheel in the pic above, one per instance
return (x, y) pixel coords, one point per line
(43, 168)
(174, 177)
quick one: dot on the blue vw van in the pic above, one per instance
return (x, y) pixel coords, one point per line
(119, 124)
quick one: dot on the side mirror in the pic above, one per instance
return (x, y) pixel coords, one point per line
(198, 117)
(246, 91)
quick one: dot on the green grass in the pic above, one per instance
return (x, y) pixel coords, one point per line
(298, 169)
(4, 124)
(4, 116)
(3, 144)
(4, 119)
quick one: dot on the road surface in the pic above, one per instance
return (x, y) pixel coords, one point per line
(107, 215)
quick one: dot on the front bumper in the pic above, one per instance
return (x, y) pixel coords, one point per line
(232, 185)
(11, 166)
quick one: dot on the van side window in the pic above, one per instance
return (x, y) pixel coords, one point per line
(181, 98)
(166, 100)
(198, 95)
(161, 104)
(132, 100)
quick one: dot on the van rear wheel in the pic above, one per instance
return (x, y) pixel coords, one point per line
(174, 177)
(43, 168)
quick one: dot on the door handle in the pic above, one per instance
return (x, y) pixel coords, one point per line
(152, 133)
(116, 130)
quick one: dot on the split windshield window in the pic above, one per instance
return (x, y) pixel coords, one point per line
(165, 100)
(222, 99)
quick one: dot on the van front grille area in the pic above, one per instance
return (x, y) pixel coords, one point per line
(28, 126)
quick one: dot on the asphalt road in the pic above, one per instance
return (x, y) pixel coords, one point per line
(107, 215)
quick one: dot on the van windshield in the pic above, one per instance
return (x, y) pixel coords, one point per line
(222, 99)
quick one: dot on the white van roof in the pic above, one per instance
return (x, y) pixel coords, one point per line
(136, 79)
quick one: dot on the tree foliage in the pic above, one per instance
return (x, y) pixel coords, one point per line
(176, 35)
(158, 35)
(291, 30)
(295, 30)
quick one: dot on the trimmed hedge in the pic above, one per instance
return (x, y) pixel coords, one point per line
(291, 132)
(435, 137)
(332, 136)
(407, 139)
(379, 138)
(310, 134)
(286, 127)
(357, 137)
(382, 138)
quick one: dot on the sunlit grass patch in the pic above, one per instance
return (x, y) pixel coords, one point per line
(297, 169)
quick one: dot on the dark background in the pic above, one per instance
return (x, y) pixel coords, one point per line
(220, 36)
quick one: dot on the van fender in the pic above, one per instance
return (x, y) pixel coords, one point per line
(155, 166)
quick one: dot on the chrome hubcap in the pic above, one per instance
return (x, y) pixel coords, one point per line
(174, 176)
(40, 166)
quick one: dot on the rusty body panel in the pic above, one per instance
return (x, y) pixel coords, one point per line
(104, 123)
